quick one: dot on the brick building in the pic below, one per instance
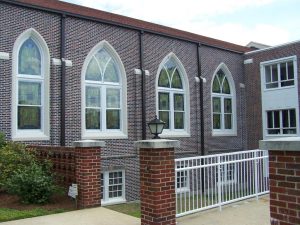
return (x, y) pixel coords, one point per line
(70, 73)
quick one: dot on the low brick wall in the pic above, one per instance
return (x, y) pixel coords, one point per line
(80, 164)
(285, 187)
(63, 160)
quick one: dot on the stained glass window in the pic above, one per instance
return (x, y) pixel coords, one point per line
(29, 58)
(103, 93)
(171, 98)
(222, 111)
(29, 90)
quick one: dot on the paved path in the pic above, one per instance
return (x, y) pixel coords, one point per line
(250, 212)
(94, 216)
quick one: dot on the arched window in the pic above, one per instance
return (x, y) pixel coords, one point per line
(223, 103)
(104, 113)
(31, 68)
(173, 97)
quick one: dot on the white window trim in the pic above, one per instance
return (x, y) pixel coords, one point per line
(184, 188)
(228, 182)
(225, 132)
(44, 132)
(280, 125)
(111, 134)
(186, 91)
(110, 201)
(277, 61)
(264, 90)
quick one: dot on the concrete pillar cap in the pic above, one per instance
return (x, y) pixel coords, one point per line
(88, 144)
(281, 144)
(157, 143)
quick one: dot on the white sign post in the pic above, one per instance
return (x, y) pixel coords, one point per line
(73, 191)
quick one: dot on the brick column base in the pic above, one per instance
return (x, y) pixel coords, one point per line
(284, 187)
(284, 170)
(157, 185)
(88, 173)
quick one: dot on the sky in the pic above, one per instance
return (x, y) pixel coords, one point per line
(269, 22)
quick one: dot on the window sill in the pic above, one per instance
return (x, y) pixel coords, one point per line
(113, 201)
(281, 135)
(104, 135)
(279, 88)
(30, 135)
(174, 134)
(224, 133)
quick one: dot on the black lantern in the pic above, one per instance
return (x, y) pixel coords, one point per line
(156, 127)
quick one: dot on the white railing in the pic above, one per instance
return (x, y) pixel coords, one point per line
(215, 180)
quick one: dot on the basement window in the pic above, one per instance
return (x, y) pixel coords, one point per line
(113, 187)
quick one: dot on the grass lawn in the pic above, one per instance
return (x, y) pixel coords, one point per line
(132, 208)
(15, 214)
(12, 209)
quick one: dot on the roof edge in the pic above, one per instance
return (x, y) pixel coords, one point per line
(272, 47)
(74, 10)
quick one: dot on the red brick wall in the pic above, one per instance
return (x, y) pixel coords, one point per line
(76, 165)
(284, 187)
(88, 176)
(253, 88)
(158, 201)
(63, 162)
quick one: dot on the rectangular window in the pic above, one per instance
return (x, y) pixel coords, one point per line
(29, 105)
(164, 108)
(113, 109)
(227, 113)
(93, 107)
(281, 122)
(217, 113)
(182, 179)
(227, 173)
(113, 186)
(279, 75)
(178, 111)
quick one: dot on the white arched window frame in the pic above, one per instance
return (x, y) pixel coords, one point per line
(101, 107)
(172, 131)
(221, 112)
(30, 91)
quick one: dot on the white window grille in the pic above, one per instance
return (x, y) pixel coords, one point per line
(104, 94)
(113, 187)
(30, 88)
(281, 122)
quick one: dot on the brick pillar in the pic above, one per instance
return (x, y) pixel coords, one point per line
(88, 172)
(157, 181)
(284, 170)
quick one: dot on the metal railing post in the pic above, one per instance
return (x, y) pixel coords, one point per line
(219, 184)
(256, 174)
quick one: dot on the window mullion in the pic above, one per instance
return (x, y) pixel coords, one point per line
(289, 123)
(222, 114)
(273, 119)
(106, 185)
(42, 105)
(281, 121)
(172, 110)
(103, 108)
(279, 74)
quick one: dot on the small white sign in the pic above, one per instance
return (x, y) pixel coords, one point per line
(73, 191)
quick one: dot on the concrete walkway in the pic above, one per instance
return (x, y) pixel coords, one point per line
(249, 212)
(94, 216)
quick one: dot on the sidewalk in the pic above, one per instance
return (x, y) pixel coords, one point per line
(249, 212)
(94, 216)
